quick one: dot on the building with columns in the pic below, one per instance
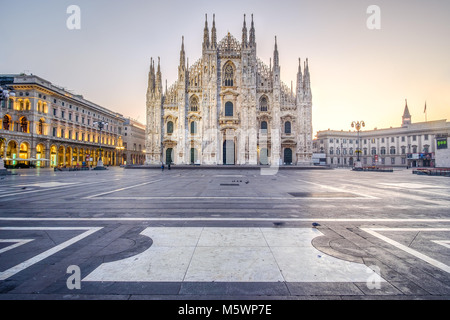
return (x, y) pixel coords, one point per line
(411, 145)
(229, 107)
(46, 125)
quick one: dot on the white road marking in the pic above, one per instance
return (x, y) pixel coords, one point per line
(121, 189)
(15, 193)
(209, 254)
(168, 198)
(22, 266)
(445, 243)
(413, 252)
(17, 243)
(229, 219)
(361, 196)
(50, 184)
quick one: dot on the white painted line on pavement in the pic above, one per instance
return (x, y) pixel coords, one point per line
(226, 219)
(445, 243)
(121, 189)
(413, 252)
(363, 196)
(22, 266)
(17, 243)
(15, 193)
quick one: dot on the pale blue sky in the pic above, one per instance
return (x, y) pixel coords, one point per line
(356, 73)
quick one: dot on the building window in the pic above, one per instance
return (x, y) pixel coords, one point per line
(228, 75)
(414, 149)
(392, 150)
(228, 109)
(392, 139)
(403, 139)
(263, 105)
(425, 137)
(374, 151)
(392, 160)
(40, 127)
(54, 132)
(170, 127)
(403, 160)
(23, 125)
(383, 150)
(331, 150)
(193, 127)
(414, 138)
(263, 126)
(194, 104)
(287, 127)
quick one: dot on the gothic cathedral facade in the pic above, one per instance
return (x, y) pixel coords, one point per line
(229, 108)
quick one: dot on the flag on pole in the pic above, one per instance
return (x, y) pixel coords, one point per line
(425, 111)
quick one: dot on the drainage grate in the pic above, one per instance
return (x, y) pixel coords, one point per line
(230, 184)
(323, 195)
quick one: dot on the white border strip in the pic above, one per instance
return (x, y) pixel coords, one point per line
(227, 219)
(22, 266)
(413, 252)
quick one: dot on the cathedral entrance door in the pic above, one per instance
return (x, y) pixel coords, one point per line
(264, 156)
(288, 156)
(169, 156)
(228, 152)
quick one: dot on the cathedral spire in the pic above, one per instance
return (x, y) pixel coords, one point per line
(307, 80)
(213, 33)
(276, 59)
(299, 78)
(158, 84)
(252, 35)
(151, 82)
(244, 35)
(206, 34)
(182, 54)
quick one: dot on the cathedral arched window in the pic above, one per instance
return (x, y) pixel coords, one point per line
(228, 75)
(193, 127)
(287, 127)
(193, 105)
(263, 104)
(263, 126)
(170, 127)
(228, 109)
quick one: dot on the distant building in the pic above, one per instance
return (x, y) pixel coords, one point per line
(133, 142)
(45, 125)
(411, 145)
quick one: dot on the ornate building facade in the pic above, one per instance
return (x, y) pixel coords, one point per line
(229, 108)
(47, 126)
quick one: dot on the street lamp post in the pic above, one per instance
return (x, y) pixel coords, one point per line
(100, 125)
(358, 125)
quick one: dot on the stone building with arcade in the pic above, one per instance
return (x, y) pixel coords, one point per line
(45, 125)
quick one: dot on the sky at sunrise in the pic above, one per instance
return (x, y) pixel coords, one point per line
(364, 63)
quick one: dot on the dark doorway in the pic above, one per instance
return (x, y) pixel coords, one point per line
(288, 156)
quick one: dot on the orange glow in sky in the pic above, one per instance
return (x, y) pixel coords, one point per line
(357, 73)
